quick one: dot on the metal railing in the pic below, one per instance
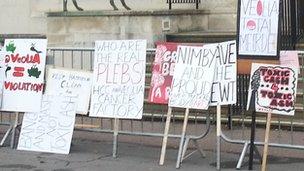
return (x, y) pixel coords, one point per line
(170, 2)
(154, 114)
(292, 23)
(154, 117)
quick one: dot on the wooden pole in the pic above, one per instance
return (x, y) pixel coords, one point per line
(14, 130)
(165, 138)
(116, 126)
(265, 152)
(180, 151)
(218, 135)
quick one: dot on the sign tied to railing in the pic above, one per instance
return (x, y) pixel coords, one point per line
(276, 88)
(258, 29)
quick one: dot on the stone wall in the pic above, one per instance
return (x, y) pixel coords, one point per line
(99, 21)
(85, 28)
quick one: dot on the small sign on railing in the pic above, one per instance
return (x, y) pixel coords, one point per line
(258, 29)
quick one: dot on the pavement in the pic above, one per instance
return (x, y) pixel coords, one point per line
(92, 151)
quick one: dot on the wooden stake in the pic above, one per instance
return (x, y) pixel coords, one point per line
(116, 126)
(165, 138)
(265, 152)
(13, 141)
(182, 141)
(218, 135)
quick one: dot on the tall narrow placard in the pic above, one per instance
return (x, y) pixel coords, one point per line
(24, 74)
(224, 82)
(258, 28)
(118, 79)
(275, 88)
(193, 77)
(73, 83)
(51, 129)
(162, 73)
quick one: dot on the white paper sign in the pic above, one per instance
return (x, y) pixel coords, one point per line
(24, 74)
(224, 83)
(118, 79)
(193, 77)
(275, 88)
(258, 27)
(73, 83)
(51, 129)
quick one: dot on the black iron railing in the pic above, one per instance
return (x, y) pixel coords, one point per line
(170, 2)
(292, 23)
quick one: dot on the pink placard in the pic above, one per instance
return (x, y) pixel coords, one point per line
(289, 58)
(162, 72)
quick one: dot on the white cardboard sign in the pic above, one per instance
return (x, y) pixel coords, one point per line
(51, 129)
(24, 74)
(73, 83)
(258, 27)
(193, 77)
(275, 88)
(224, 82)
(118, 79)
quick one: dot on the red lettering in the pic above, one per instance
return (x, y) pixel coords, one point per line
(23, 59)
(7, 84)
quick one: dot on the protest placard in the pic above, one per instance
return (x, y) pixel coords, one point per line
(73, 83)
(162, 72)
(275, 88)
(224, 82)
(51, 129)
(118, 79)
(193, 77)
(24, 74)
(258, 28)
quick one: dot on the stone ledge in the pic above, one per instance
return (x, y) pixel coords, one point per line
(127, 13)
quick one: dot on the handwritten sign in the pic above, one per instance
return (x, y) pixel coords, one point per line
(258, 27)
(275, 88)
(118, 79)
(162, 74)
(24, 74)
(51, 129)
(193, 77)
(73, 83)
(224, 83)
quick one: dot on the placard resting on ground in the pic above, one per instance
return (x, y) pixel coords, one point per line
(118, 79)
(24, 74)
(193, 77)
(258, 28)
(162, 72)
(275, 86)
(224, 82)
(73, 83)
(51, 129)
